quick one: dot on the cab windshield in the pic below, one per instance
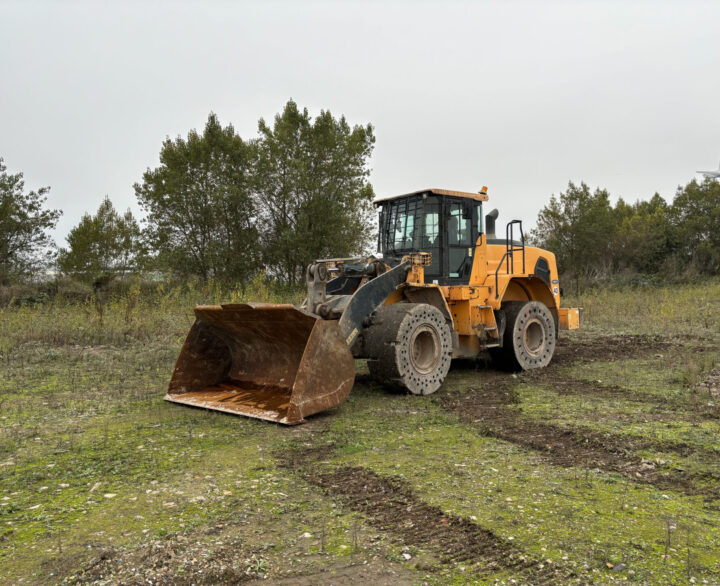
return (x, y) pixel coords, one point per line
(402, 229)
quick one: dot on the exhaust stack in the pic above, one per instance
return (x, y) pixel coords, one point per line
(490, 224)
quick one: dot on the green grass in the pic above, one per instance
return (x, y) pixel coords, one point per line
(82, 418)
(580, 518)
(576, 520)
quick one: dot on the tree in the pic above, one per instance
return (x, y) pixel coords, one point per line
(644, 238)
(312, 190)
(105, 242)
(199, 204)
(695, 215)
(579, 227)
(25, 246)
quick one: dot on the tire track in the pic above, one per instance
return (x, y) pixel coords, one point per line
(390, 505)
(492, 414)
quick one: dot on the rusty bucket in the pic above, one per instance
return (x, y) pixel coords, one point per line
(274, 362)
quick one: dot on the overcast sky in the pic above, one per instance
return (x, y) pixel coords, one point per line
(519, 96)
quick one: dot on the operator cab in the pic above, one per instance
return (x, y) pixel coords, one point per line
(444, 223)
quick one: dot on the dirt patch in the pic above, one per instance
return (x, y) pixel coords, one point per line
(375, 572)
(607, 348)
(711, 384)
(176, 560)
(390, 505)
(191, 560)
(491, 412)
(575, 386)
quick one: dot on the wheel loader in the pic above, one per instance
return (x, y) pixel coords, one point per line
(445, 286)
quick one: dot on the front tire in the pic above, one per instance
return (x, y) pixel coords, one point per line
(410, 345)
(529, 338)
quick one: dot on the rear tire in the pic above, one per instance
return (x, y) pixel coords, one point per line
(410, 345)
(529, 338)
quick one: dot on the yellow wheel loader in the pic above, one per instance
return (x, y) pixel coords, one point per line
(446, 286)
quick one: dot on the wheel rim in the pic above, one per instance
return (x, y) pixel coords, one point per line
(424, 349)
(534, 337)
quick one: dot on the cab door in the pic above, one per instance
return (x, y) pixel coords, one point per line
(460, 235)
(433, 238)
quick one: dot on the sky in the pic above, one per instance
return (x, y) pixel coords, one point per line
(519, 96)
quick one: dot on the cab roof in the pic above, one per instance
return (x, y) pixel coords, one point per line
(479, 196)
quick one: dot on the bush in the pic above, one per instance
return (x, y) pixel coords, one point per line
(9, 294)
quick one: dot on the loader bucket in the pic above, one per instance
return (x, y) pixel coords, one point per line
(273, 362)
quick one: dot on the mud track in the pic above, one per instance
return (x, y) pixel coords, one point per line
(693, 407)
(390, 505)
(608, 348)
(611, 348)
(491, 411)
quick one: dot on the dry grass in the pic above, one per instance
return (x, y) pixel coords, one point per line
(673, 310)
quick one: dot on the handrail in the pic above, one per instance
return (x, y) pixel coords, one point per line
(497, 293)
(509, 256)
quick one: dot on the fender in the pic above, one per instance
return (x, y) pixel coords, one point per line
(432, 295)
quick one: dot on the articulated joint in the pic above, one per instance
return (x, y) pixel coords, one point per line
(316, 277)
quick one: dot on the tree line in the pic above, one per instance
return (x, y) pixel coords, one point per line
(593, 239)
(226, 208)
(217, 207)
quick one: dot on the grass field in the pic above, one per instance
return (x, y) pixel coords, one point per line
(602, 468)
